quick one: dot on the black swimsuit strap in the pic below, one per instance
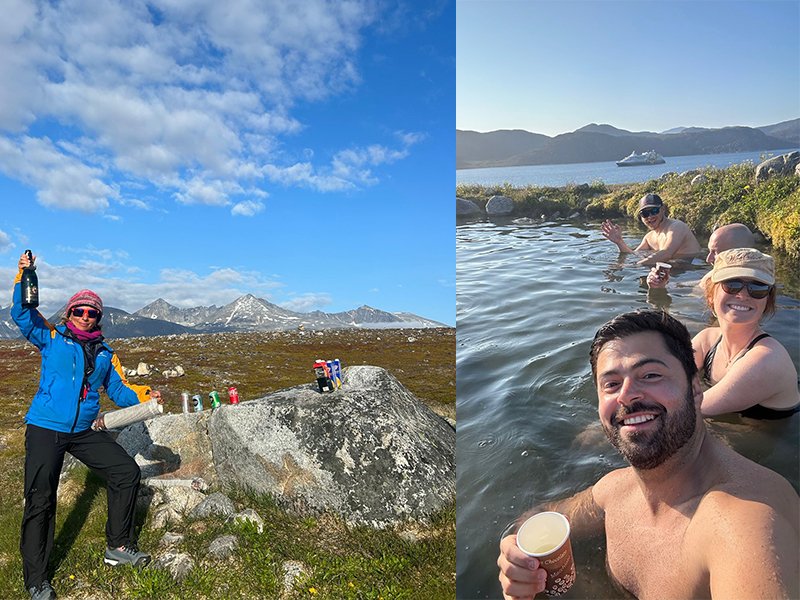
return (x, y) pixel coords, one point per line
(709, 357)
(708, 360)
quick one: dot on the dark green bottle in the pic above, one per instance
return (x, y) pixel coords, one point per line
(30, 284)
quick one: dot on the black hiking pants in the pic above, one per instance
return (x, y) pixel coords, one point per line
(44, 456)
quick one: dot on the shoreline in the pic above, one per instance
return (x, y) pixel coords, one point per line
(702, 198)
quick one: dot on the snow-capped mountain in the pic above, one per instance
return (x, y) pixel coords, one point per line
(247, 313)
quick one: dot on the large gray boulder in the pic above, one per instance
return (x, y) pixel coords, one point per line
(171, 447)
(785, 164)
(370, 451)
(500, 206)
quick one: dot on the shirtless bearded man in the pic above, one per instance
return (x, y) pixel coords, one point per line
(690, 518)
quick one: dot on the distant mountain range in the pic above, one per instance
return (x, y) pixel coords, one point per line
(247, 313)
(600, 143)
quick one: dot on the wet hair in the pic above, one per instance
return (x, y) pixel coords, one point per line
(675, 335)
(710, 289)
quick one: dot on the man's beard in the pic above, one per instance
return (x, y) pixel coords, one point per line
(650, 448)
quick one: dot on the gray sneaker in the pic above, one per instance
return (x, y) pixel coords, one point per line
(43, 591)
(126, 555)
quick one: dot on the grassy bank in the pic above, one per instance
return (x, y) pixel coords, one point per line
(729, 195)
(411, 560)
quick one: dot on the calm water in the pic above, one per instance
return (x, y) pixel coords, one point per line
(529, 300)
(608, 172)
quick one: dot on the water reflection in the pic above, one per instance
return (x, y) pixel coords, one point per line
(529, 299)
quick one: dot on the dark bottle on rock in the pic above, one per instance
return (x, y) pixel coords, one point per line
(30, 284)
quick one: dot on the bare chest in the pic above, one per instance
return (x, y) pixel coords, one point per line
(655, 560)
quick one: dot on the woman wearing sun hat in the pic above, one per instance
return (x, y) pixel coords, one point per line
(748, 371)
(76, 363)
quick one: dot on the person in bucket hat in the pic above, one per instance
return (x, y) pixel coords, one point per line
(746, 370)
(668, 239)
(76, 363)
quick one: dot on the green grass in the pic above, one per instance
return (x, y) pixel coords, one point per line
(341, 562)
(729, 195)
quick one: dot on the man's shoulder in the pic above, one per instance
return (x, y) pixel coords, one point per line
(612, 485)
(754, 492)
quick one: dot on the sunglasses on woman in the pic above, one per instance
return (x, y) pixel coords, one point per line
(90, 312)
(756, 289)
(647, 212)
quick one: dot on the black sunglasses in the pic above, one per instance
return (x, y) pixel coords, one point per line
(646, 212)
(90, 312)
(756, 289)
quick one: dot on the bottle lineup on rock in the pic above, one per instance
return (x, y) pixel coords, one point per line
(196, 401)
(30, 284)
(328, 374)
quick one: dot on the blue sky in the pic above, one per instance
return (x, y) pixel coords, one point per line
(553, 67)
(201, 150)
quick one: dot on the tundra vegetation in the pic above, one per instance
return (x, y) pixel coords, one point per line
(410, 560)
(730, 195)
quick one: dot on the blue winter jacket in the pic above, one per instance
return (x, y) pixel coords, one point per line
(61, 403)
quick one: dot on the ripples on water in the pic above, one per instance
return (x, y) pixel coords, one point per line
(529, 300)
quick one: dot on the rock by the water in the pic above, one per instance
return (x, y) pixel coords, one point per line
(499, 206)
(466, 207)
(699, 179)
(785, 164)
(691, 173)
(668, 175)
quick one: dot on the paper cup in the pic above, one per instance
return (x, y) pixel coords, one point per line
(546, 536)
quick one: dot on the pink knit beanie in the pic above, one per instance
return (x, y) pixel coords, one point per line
(85, 298)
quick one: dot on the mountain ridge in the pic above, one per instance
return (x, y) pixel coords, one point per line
(246, 313)
(599, 143)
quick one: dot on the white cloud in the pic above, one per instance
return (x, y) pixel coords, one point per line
(307, 302)
(119, 284)
(184, 99)
(62, 181)
(410, 138)
(5, 242)
(248, 208)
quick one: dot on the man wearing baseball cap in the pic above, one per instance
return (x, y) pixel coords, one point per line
(668, 239)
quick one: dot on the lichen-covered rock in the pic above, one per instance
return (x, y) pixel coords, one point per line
(785, 164)
(171, 447)
(250, 516)
(179, 565)
(465, 208)
(183, 499)
(223, 546)
(214, 504)
(291, 571)
(370, 451)
(499, 206)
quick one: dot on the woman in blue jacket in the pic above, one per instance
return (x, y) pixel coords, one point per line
(76, 363)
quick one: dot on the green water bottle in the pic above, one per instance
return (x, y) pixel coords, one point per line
(30, 284)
